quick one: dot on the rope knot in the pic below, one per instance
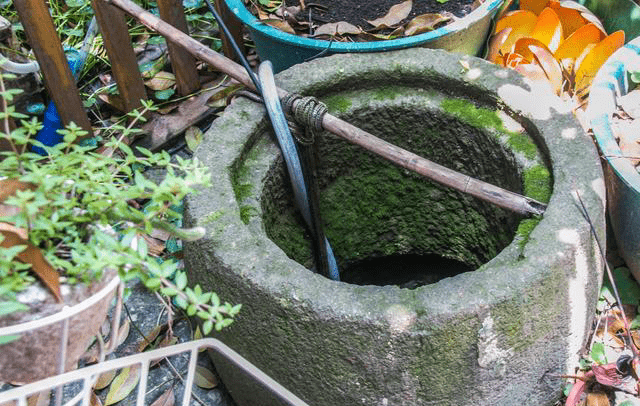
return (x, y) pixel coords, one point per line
(306, 112)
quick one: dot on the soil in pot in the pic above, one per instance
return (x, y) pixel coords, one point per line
(365, 20)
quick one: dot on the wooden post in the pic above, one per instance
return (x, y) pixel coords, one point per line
(183, 64)
(235, 28)
(117, 42)
(44, 40)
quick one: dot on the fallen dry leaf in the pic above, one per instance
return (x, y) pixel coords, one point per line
(123, 384)
(597, 399)
(105, 379)
(279, 24)
(574, 45)
(166, 399)
(550, 65)
(548, 29)
(31, 255)
(396, 14)
(594, 60)
(521, 23)
(39, 399)
(339, 28)
(425, 23)
(628, 134)
(161, 81)
(535, 6)
(204, 378)
(570, 18)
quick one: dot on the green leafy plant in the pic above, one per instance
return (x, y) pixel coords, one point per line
(83, 211)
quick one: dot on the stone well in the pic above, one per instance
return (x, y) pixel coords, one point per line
(447, 300)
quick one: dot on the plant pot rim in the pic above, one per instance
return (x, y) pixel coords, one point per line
(240, 11)
(610, 83)
(67, 312)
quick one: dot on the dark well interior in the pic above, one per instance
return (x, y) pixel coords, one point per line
(388, 226)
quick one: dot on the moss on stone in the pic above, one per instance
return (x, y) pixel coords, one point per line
(523, 320)
(337, 103)
(523, 143)
(476, 116)
(246, 212)
(386, 93)
(445, 350)
(525, 228)
(371, 208)
(537, 183)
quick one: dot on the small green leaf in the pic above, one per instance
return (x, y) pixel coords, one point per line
(8, 339)
(10, 307)
(181, 280)
(207, 326)
(598, 353)
(181, 302)
(191, 310)
(164, 94)
(168, 291)
(193, 137)
(153, 283)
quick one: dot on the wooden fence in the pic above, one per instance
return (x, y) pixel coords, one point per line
(58, 79)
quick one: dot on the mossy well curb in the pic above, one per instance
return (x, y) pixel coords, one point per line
(499, 335)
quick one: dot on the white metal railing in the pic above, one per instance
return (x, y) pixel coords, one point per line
(88, 376)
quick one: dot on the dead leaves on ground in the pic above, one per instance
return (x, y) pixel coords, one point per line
(394, 24)
(558, 42)
(612, 365)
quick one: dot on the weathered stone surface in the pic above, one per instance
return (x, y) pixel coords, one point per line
(498, 335)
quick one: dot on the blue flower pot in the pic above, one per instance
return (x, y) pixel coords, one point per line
(622, 179)
(467, 35)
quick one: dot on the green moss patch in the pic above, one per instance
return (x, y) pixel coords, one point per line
(337, 103)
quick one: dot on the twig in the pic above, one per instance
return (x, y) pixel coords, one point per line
(585, 214)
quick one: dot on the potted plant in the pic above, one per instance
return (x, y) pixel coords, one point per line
(433, 30)
(72, 224)
(615, 120)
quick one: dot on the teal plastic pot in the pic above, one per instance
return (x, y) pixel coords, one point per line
(616, 15)
(467, 35)
(623, 180)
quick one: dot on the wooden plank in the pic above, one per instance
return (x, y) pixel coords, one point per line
(182, 63)
(235, 29)
(117, 42)
(44, 40)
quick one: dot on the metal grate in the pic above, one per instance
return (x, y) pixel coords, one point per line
(256, 387)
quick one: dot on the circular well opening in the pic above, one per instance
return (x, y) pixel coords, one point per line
(388, 226)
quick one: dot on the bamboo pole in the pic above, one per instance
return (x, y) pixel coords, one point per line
(408, 160)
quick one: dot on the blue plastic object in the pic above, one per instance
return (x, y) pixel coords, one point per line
(48, 135)
(466, 35)
(622, 179)
(290, 154)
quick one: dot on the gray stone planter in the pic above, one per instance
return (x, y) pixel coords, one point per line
(497, 335)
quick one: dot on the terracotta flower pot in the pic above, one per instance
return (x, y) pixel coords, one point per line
(62, 334)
